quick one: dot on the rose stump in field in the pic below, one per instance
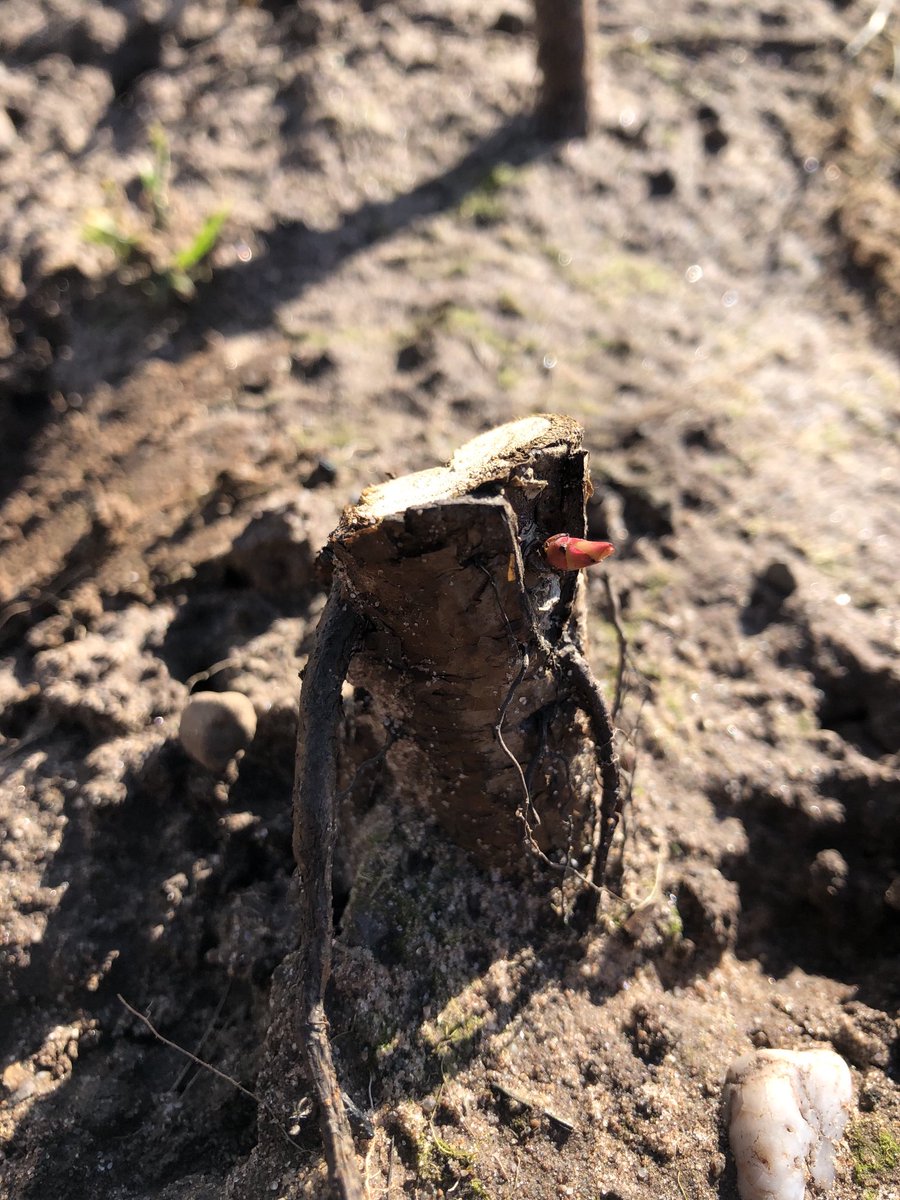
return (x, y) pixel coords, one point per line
(455, 604)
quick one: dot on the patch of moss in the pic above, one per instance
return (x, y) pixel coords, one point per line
(453, 1031)
(448, 1166)
(385, 1041)
(673, 925)
(875, 1150)
(824, 439)
(623, 275)
(673, 697)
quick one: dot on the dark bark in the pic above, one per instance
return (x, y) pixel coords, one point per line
(471, 643)
(563, 58)
(444, 608)
(315, 780)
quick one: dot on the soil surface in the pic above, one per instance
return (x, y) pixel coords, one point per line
(710, 284)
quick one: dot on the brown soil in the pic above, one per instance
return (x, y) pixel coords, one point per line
(710, 284)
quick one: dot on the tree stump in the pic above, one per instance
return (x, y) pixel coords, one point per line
(469, 638)
(446, 610)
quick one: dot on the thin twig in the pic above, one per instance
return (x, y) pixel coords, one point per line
(590, 700)
(498, 732)
(565, 868)
(684, 1195)
(202, 676)
(525, 1101)
(14, 610)
(634, 737)
(209, 1028)
(258, 1100)
(615, 616)
(64, 580)
(43, 725)
(315, 822)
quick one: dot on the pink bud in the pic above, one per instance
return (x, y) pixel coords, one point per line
(572, 554)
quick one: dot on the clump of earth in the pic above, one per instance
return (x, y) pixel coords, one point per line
(395, 260)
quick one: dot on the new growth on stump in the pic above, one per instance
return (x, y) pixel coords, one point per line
(470, 639)
(456, 604)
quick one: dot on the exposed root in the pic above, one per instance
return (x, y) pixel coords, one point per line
(315, 824)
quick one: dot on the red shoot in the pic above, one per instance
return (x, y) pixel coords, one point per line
(572, 554)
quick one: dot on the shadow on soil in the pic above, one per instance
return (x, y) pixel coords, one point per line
(186, 915)
(187, 911)
(245, 296)
(813, 880)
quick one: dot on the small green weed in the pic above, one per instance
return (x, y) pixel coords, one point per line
(155, 178)
(183, 267)
(104, 230)
(485, 204)
(145, 256)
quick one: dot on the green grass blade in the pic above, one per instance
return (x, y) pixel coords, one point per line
(203, 244)
(103, 231)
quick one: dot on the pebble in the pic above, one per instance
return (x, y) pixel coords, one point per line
(786, 1111)
(215, 726)
(780, 578)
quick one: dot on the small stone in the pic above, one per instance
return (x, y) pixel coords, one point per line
(256, 375)
(8, 133)
(215, 726)
(18, 1080)
(786, 1111)
(828, 875)
(323, 473)
(780, 578)
(892, 895)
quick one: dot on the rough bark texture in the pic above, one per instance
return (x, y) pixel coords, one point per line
(468, 631)
(444, 608)
(314, 833)
(563, 59)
